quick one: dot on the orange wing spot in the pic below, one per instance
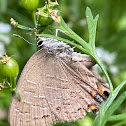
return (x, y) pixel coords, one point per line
(92, 107)
(100, 89)
(94, 93)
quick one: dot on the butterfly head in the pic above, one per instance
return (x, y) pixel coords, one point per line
(41, 41)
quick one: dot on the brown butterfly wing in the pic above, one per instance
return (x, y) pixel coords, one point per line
(67, 99)
(86, 78)
(51, 91)
(33, 108)
(44, 89)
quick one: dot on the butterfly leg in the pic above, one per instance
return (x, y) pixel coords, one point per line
(57, 31)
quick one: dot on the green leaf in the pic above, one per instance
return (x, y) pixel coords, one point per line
(113, 95)
(92, 24)
(3, 6)
(117, 117)
(123, 123)
(66, 30)
(114, 106)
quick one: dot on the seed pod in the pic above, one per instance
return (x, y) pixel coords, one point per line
(30, 4)
(44, 17)
(8, 66)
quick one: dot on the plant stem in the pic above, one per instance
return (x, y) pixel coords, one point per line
(24, 27)
(13, 83)
(105, 72)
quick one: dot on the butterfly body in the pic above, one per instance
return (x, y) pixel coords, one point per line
(56, 84)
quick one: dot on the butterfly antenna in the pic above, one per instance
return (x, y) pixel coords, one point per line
(37, 13)
(23, 39)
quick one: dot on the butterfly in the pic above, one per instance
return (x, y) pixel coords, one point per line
(56, 84)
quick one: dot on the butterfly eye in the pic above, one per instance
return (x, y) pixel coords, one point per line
(106, 93)
(37, 10)
(39, 43)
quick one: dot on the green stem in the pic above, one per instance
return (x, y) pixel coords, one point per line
(13, 83)
(74, 36)
(17, 93)
(105, 73)
(13, 86)
(24, 27)
(66, 30)
(34, 19)
(98, 61)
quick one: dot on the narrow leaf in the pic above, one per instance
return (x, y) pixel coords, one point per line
(113, 95)
(123, 123)
(92, 24)
(72, 34)
(114, 106)
(117, 117)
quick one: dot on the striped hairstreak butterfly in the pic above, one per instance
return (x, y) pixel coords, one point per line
(56, 84)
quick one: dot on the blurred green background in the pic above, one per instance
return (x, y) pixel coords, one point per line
(110, 40)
